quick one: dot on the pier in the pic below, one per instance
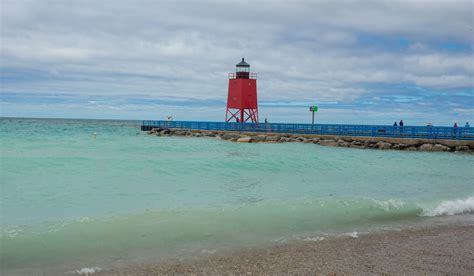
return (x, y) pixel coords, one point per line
(411, 132)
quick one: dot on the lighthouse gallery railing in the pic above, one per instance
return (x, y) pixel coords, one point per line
(434, 132)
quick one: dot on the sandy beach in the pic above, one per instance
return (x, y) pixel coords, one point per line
(440, 250)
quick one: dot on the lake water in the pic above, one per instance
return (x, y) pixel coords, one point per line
(74, 199)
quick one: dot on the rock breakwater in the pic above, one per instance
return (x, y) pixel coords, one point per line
(359, 142)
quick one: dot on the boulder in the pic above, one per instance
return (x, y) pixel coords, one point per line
(155, 130)
(399, 146)
(370, 144)
(402, 146)
(259, 138)
(315, 140)
(462, 148)
(328, 142)
(426, 147)
(412, 148)
(384, 145)
(273, 138)
(342, 143)
(357, 145)
(300, 138)
(230, 136)
(165, 132)
(439, 147)
(244, 139)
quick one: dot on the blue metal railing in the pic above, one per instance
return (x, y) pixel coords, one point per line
(432, 132)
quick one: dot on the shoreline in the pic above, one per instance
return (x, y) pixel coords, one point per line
(360, 142)
(436, 250)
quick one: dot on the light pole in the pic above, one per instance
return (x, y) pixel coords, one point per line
(313, 109)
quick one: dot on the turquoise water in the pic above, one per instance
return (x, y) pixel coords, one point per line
(71, 198)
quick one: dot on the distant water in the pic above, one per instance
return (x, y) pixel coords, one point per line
(72, 198)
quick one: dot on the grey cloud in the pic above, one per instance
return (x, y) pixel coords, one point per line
(301, 49)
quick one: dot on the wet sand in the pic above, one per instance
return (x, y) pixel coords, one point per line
(439, 250)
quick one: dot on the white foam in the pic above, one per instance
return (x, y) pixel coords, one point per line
(13, 233)
(57, 227)
(279, 240)
(83, 219)
(390, 205)
(314, 239)
(87, 270)
(451, 207)
(10, 231)
(353, 234)
(206, 251)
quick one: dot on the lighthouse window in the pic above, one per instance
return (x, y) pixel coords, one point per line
(243, 69)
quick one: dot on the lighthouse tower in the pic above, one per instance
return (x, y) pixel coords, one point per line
(242, 104)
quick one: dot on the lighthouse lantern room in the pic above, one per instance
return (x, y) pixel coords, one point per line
(242, 104)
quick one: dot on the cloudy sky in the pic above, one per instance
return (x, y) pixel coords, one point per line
(360, 61)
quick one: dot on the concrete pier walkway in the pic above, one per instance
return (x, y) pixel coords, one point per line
(415, 132)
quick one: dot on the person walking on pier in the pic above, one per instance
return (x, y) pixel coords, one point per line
(401, 123)
(467, 125)
(430, 128)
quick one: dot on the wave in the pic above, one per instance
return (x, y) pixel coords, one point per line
(451, 207)
(86, 270)
(277, 214)
(319, 210)
(192, 229)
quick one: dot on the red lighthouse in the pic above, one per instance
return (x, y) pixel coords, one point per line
(242, 104)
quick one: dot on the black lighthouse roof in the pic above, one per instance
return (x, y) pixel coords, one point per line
(243, 64)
